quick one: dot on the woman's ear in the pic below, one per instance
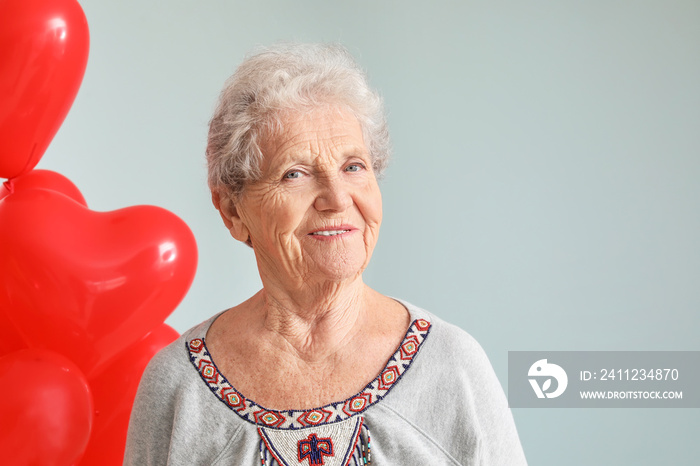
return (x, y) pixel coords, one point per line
(229, 214)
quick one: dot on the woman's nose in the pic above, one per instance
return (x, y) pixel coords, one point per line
(333, 196)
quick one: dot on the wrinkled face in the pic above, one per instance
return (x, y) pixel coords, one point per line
(316, 211)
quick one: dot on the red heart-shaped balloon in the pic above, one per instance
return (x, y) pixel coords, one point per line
(114, 389)
(44, 48)
(45, 409)
(34, 179)
(11, 341)
(44, 179)
(89, 284)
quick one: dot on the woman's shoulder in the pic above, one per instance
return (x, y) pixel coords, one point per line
(445, 337)
(172, 361)
(451, 361)
(461, 406)
(173, 409)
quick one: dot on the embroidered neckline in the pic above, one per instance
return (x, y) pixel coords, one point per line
(338, 411)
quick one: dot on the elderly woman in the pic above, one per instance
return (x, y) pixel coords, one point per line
(317, 367)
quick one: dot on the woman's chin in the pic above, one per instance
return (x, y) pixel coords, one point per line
(335, 261)
(337, 269)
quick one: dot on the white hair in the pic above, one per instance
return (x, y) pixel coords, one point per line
(279, 79)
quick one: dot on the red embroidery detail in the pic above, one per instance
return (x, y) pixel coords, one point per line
(422, 324)
(209, 372)
(357, 404)
(314, 417)
(409, 348)
(196, 345)
(234, 399)
(315, 449)
(269, 418)
(388, 377)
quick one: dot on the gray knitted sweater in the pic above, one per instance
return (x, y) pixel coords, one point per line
(436, 402)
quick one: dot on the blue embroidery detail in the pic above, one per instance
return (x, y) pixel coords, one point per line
(315, 449)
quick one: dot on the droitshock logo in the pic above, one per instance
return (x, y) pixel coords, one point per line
(542, 370)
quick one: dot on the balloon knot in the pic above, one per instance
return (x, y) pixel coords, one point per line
(9, 185)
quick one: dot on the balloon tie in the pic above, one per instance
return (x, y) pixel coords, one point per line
(9, 185)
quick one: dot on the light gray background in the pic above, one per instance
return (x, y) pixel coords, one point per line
(543, 194)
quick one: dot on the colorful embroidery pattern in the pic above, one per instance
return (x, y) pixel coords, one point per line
(374, 392)
(314, 449)
(341, 443)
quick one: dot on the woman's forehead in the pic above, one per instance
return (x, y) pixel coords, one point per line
(321, 133)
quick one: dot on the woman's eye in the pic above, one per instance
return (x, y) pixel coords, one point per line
(292, 175)
(354, 167)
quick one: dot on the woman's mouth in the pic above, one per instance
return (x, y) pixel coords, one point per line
(329, 232)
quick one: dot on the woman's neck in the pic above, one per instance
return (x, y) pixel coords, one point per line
(301, 353)
(314, 324)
